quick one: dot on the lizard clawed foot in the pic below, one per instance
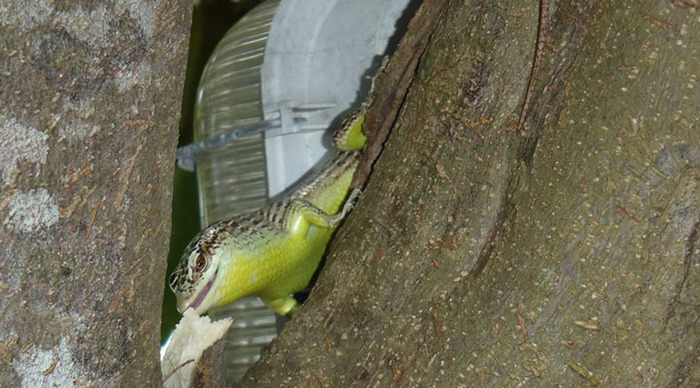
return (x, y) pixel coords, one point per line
(354, 196)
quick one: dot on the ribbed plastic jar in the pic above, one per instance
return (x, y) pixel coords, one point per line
(232, 177)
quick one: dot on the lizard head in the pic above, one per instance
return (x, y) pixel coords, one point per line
(197, 273)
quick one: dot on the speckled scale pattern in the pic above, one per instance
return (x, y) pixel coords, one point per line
(271, 252)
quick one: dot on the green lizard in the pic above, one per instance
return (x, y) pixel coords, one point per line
(272, 252)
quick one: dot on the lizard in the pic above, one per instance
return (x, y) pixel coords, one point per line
(272, 252)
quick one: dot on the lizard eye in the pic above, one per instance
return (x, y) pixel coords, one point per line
(200, 263)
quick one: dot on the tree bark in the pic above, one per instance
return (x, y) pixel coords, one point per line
(563, 252)
(90, 101)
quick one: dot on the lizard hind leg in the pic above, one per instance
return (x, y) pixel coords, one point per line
(349, 137)
(350, 202)
(301, 214)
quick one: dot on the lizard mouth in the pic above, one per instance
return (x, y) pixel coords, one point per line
(204, 292)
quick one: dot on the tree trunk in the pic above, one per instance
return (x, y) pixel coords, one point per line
(563, 251)
(89, 106)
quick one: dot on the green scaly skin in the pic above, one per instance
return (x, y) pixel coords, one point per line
(272, 252)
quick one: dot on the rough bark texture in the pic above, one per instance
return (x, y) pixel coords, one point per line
(89, 106)
(563, 254)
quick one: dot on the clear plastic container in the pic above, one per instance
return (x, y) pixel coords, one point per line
(232, 176)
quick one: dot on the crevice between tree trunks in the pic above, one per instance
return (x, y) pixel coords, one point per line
(389, 93)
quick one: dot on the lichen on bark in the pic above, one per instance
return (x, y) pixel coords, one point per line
(89, 105)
